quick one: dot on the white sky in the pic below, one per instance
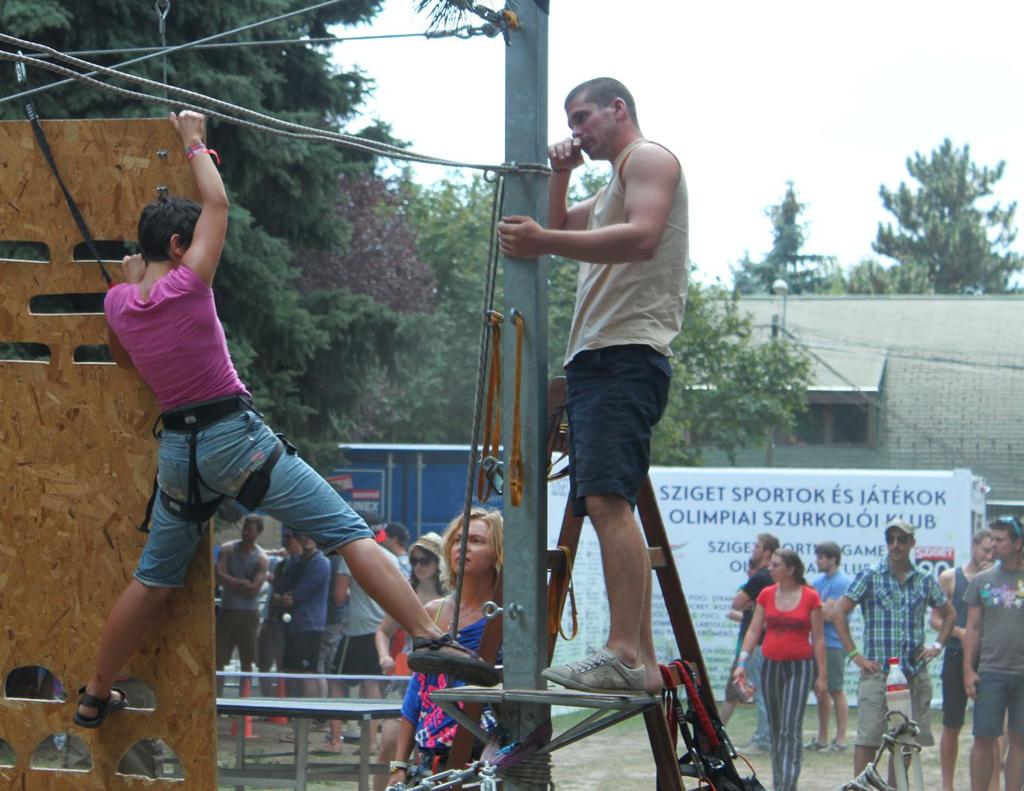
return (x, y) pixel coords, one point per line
(749, 95)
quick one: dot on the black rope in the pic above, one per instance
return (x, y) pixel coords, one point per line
(44, 147)
(490, 279)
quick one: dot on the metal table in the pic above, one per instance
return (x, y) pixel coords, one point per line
(304, 711)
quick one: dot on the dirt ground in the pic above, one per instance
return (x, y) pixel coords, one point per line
(620, 758)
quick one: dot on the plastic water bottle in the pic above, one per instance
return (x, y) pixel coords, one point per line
(897, 690)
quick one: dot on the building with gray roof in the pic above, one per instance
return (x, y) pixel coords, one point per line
(919, 382)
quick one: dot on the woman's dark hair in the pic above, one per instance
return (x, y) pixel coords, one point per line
(792, 559)
(163, 218)
(414, 580)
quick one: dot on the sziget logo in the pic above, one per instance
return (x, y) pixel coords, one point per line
(935, 560)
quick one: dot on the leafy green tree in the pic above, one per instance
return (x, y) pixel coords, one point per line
(728, 389)
(306, 327)
(426, 394)
(948, 227)
(804, 273)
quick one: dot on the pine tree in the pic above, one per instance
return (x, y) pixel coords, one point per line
(304, 351)
(803, 273)
(948, 228)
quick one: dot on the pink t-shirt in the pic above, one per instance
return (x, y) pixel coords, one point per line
(175, 339)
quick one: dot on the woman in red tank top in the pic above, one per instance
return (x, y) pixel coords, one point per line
(790, 614)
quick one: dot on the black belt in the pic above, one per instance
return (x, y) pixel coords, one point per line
(193, 419)
(200, 416)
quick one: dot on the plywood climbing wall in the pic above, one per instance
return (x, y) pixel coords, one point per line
(76, 466)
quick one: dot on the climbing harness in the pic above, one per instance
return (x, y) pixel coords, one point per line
(44, 147)
(899, 742)
(193, 419)
(709, 754)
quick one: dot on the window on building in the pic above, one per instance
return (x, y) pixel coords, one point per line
(831, 421)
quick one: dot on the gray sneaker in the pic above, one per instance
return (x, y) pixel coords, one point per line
(602, 671)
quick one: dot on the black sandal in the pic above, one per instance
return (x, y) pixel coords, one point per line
(445, 655)
(103, 707)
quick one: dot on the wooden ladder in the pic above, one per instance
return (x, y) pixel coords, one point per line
(662, 562)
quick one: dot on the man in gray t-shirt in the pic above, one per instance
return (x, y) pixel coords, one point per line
(995, 631)
(356, 654)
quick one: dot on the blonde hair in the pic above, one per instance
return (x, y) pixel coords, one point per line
(453, 537)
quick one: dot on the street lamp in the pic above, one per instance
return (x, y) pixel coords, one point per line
(780, 288)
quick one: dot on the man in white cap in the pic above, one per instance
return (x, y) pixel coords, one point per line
(893, 597)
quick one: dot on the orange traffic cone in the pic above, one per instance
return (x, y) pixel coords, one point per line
(244, 690)
(281, 693)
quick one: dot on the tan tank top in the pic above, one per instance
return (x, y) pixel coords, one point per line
(641, 302)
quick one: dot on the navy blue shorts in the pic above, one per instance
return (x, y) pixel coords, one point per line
(954, 696)
(616, 397)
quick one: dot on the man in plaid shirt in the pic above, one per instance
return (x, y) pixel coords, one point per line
(893, 597)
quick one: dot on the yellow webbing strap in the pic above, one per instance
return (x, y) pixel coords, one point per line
(516, 469)
(492, 421)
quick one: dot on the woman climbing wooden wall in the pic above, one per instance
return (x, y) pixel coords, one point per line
(76, 469)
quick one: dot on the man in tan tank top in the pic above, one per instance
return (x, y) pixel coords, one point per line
(631, 240)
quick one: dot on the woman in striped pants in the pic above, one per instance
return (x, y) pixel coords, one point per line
(790, 614)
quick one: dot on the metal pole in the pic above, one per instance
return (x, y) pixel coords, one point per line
(524, 637)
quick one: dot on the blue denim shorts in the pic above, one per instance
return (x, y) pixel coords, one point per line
(1000, 695)
(616, 396)
(227, 452)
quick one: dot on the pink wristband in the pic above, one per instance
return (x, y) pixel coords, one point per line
(200, 148)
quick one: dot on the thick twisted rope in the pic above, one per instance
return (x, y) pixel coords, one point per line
(186, 45)
(234, 114)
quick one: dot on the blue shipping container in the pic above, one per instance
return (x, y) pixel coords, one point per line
(422, 486)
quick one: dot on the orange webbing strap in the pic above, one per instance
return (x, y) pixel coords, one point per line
(516, 469)
(556, 598)
(492, 422)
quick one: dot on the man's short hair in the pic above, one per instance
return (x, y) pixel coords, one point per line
(602, 91)
(1010, 524)
(981, 535)
(830, 550)
(397, 531)
(254, 519)
(163, 218)
(768, 541)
